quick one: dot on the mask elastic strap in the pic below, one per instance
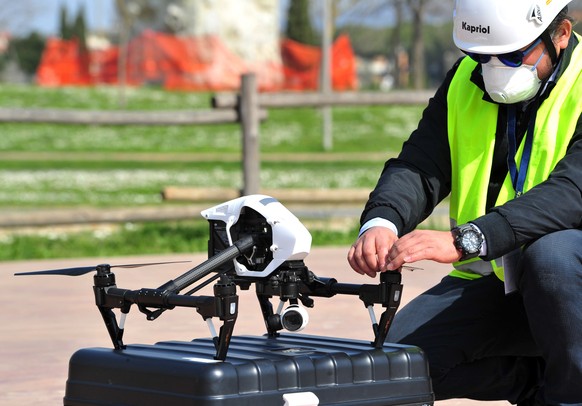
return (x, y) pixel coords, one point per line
(550, 46)
(535, 65)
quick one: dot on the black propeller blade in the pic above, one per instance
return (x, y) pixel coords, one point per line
(78, 271)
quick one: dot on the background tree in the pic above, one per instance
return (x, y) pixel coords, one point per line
(299, 27)
(413, 25)
(28, 52)
(417, 8)
(397, 48)
(79, 29)
(128, 12)
(64, 27)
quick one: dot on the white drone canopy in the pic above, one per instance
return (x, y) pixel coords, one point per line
(291, 240)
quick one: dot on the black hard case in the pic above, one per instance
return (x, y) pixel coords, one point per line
(258, 371)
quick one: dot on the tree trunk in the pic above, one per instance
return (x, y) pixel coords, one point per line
(418, 64)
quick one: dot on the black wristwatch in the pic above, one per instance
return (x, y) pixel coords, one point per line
(468, 240)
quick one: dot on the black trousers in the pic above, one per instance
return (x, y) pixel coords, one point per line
(525, 347)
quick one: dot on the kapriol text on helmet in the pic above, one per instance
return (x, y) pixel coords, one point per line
(475, 28)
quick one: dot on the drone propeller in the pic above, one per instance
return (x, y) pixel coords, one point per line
(410, 268)
(78, 271)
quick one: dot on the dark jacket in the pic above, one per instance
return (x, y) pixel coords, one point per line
(412, 184)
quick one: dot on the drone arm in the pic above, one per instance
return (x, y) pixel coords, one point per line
(115, 333)
(388, 293)
(156, 298)
(390, 289)
(227, 310)
(238, 248)
(328, 287)
(224, 304)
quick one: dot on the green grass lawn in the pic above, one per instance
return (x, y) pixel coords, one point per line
(50, 165)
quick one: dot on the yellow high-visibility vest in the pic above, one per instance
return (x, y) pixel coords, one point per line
(472, 124)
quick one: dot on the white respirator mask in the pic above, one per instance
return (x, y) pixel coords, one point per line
(510, 85)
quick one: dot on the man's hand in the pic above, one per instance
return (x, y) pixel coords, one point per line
(379, 249)
(433, 245)
(369, 253)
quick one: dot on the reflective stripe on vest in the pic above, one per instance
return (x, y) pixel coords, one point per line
(472, 124)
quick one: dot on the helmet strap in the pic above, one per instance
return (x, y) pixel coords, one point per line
(547, 38)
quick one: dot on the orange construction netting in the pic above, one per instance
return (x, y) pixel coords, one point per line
(193, 63)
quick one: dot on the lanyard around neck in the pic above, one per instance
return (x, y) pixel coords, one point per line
(518, 176)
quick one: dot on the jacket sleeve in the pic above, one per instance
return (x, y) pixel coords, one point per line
(553, 205)
(412, 184)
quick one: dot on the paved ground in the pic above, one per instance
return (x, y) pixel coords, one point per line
(45, 319)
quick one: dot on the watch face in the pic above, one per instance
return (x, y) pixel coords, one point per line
(471, 241)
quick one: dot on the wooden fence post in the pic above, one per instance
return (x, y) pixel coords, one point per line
(249, 118)
(325, 75)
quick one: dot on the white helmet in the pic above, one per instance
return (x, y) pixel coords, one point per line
(501, 26)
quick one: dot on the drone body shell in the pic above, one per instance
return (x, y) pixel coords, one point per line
(291, 240)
